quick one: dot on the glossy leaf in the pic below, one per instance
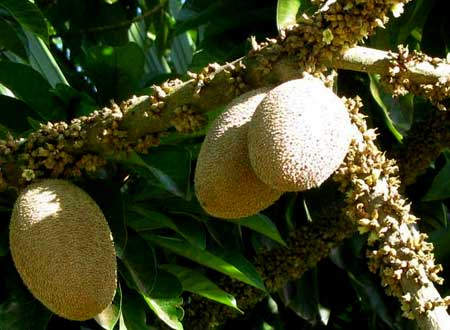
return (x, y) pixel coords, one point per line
(168, 310)
(42, 60)
(10, 40)
(242, 271)
(28, 15)
(109, 317)
(195, 282)
(138, 266)
(29, 86)
(263, 225)
(287, 12)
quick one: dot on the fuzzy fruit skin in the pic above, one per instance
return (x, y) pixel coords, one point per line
(62, 248)
(299, 135)
(225, 183)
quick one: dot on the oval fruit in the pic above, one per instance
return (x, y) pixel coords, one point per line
(225, 183)
(62, 248)
(299, 135)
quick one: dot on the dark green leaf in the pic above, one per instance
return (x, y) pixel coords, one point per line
(138, 265)
(29, 86)
(385, 102)
(75, 103)
(133, 315)
(4, 242)
(240, 269)
(262, 224)
(167, 286)
(195, 282)
(115, 71)
(168, 310)
(440, 188)
(10, 40)
(109, 317)
(169, 165)
(28, 15)
(302, 296)
(187, 227)
(14, 114)
(20, 310)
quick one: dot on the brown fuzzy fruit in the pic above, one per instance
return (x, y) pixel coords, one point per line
(299, 135)
(225, 183)
(62, 248)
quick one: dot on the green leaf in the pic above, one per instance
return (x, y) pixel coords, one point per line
(42, 60)
(15, 114)
(168, 310)
(134, 309)
(138, 266)
(109, 317)
(181, 247)
(263, 225)
(385, 102)
(20, 310)
(187, 227)
(440, 188)
(29, 86)
(10, 40)
(28, 15)
(167, 286)
(115, 71)
(4, 243)
(169, 165)
(195, 282)
(287, 12)
(302, 296)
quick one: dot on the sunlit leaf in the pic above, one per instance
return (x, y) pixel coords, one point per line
(42, 60)
(287, 12)
(262, 224)
(168, 310)
(208, 259)
(195, 282)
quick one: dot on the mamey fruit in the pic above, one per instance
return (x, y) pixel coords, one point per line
(299, 135)
(225, 183)
(62, 248)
